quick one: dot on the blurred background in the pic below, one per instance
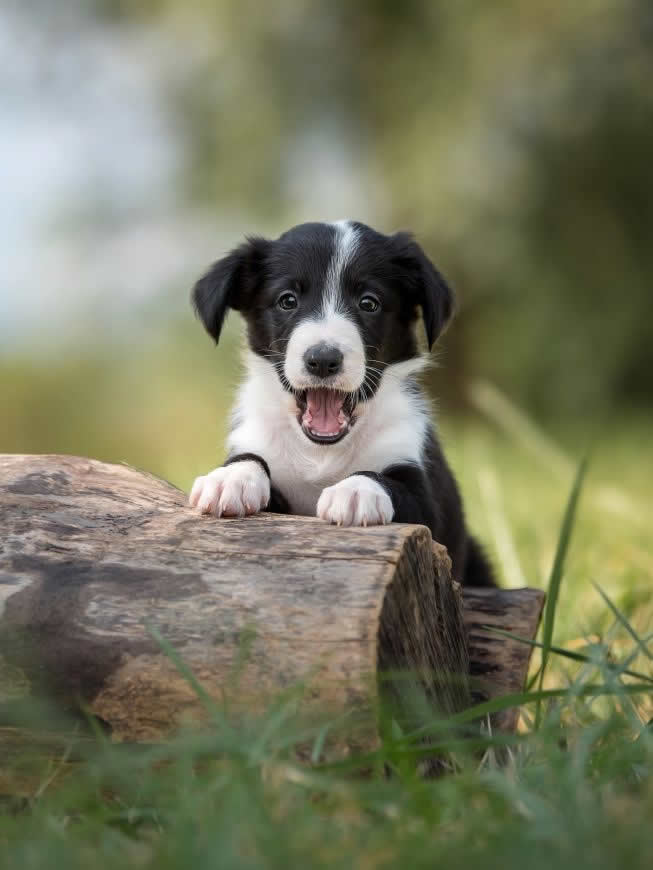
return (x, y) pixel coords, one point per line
(140, 140)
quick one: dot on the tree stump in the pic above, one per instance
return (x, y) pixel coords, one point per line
(93, 556)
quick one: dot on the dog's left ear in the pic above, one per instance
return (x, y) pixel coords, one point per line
(230, 283)
(429, 287)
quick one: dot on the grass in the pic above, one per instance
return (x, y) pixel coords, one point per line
(574, 788)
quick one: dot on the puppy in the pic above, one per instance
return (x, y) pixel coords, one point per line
(330, 419)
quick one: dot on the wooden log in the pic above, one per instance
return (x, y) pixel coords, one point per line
(92, 554)
(498, 665)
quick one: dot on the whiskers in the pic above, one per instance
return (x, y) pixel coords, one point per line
(275, 358)
(376, 373)
(377, 370)
(370, 383)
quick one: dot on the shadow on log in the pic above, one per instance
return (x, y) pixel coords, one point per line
(92, 555)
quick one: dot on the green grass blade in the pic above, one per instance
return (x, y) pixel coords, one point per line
(518, 699)
(557, 572)
(183, 669)
(571, 654)
(318, 745)
(272, 726)
(620, 617)
(403, 750)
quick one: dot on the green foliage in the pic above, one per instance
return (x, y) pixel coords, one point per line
(513, 138)
(557, 572)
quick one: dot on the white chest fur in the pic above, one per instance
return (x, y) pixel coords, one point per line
(389, 429)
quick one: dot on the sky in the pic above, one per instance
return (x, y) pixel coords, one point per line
(87, 219)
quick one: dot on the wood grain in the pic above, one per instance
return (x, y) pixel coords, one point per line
(499, 665)
(92, 555)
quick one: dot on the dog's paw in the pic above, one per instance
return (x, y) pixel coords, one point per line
(355, 501)
(235, 490)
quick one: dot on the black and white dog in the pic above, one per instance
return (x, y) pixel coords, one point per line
(330, 420)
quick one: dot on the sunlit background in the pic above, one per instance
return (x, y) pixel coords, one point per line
(140, 140)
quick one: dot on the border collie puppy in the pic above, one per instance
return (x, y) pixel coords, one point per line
(330, 420)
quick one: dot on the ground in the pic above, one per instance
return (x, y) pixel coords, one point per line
(575, 788)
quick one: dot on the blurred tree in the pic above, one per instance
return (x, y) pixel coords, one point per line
(514, 138)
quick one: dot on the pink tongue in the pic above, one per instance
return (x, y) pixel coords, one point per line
(323, 412)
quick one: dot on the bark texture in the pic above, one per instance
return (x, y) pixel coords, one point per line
(93, 556)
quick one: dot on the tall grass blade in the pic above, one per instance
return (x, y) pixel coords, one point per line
(557, 572)
(620, 617)
(517, 699)
(572, 654)
(183, 669)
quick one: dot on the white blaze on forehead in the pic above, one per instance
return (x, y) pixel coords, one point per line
(330, 326)
(346, 242)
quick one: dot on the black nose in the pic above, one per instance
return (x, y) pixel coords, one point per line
(323, 361)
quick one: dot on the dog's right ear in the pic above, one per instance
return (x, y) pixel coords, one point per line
(230, 283)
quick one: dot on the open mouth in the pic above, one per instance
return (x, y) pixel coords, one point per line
(325, 415)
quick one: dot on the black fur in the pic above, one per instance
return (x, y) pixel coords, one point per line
(250, 457)
(429, 496)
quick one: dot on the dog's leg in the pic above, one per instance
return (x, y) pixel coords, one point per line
(278, 503)
(239, 488)
(366, 498)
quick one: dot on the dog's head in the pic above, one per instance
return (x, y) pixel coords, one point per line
(330, 306)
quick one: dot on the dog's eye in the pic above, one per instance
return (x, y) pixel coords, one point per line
(369, 303)
(287, 301)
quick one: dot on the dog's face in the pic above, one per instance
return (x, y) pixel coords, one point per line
(330, 306)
